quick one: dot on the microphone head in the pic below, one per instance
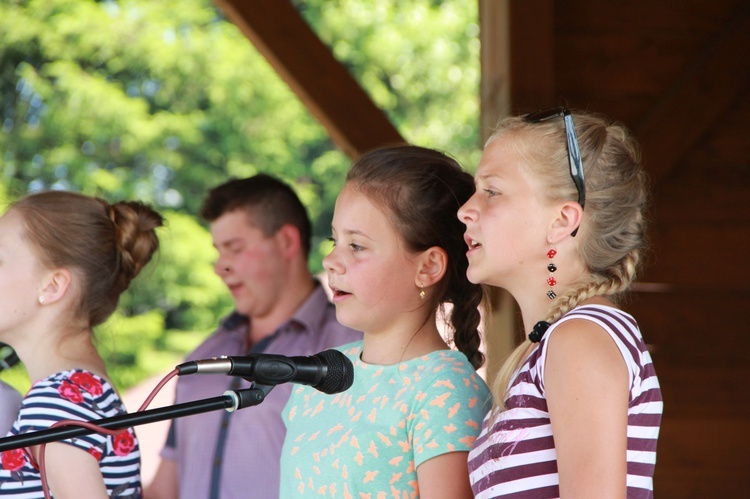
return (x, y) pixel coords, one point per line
(340, 375)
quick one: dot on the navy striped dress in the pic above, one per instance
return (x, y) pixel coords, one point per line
(79, 395)
(516, 457)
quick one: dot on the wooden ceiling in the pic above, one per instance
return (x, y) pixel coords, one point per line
(678, 74)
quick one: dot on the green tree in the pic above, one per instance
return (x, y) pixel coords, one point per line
(161, 100)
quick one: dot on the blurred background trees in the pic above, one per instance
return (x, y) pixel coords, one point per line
(161, 100)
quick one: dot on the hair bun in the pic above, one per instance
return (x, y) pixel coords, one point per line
(135, 236)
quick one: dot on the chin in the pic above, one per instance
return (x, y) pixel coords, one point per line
(348, 319)
(474, 276)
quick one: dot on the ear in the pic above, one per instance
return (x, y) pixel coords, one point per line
(569, 218)
(290, 241)
(55, 285)
(431, 266)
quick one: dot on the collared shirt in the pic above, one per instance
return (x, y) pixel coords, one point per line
(249, 466)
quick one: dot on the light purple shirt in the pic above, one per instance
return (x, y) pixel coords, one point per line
(250, 464)
(10, 401)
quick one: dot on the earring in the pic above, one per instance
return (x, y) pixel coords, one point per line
(41, 300)
(421, 292)
(551, 281)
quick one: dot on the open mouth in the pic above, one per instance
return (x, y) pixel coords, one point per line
(471, 243)
(338, 293)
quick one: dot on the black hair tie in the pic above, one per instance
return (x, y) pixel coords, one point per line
(537, 333)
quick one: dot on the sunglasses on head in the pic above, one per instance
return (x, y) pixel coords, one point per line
(574, 151)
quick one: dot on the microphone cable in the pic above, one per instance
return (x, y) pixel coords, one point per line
(91, 426)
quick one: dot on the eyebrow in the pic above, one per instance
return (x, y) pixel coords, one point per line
(353, 232)
(228, 242)
(486, 176)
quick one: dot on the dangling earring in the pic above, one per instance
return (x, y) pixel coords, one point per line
(421, 292)
(41, 300)
(551, 281)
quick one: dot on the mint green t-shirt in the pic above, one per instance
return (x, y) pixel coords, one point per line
(371, 438)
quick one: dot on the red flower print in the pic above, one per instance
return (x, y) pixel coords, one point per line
(96, 453)
(71, 392)
(13, 460)
(88, 382)
(123, 443)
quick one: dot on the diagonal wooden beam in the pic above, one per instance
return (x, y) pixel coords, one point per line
(704, 91)
(306, 64)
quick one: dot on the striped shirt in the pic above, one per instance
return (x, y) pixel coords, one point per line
(516, 457)
(83, 396)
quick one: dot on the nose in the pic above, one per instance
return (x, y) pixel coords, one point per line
(221, 268)
(467, 213)
(331, 262)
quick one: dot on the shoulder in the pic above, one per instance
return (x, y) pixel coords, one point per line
(75, 394)
(581, 351)
(450, 371)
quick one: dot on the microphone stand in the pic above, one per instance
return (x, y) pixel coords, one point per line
(231, 401)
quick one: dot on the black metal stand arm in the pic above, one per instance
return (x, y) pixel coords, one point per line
(231, 401)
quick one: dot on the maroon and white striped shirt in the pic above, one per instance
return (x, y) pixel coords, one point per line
(517, 458)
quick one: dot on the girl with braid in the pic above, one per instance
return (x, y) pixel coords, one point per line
(406, 425)
(65, 259)
(558, 221)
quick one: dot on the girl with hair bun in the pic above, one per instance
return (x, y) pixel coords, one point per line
(65, 259)
(405, 426)
(558, 220)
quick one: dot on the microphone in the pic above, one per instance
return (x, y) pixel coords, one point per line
(329, 371)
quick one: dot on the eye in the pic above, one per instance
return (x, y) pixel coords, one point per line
(235, 248)
(356, 247)
(332, 241)
(491, 193)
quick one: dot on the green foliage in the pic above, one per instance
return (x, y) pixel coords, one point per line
(161, 100)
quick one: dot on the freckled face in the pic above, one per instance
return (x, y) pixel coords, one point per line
(505, 218)
(371, 274)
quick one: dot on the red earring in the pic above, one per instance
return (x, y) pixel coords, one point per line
(551, 281)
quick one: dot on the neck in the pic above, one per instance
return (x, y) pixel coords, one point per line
(300, 290)
(402, 342)
(73, 350)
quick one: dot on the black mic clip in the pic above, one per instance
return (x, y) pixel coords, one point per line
(247, 397)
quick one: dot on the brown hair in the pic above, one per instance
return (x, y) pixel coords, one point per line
(270, 202)
(421, 191)
(107, 245)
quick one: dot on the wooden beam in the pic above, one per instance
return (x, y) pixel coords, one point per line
(494, 34)
(708, 87)
(517, 58)
(306, 64)
(532, 45)
(517, 42)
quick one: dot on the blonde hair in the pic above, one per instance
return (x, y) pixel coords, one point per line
(613, 231)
